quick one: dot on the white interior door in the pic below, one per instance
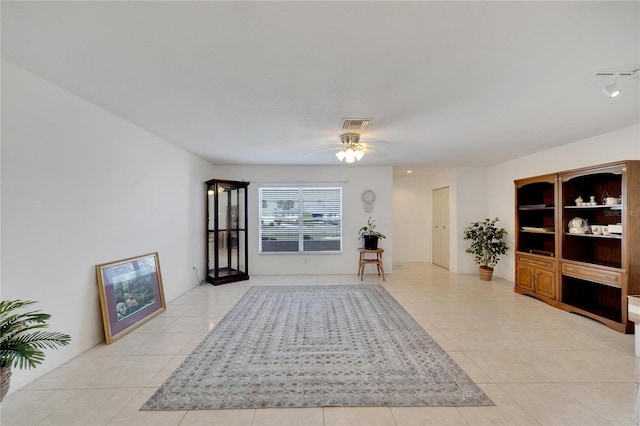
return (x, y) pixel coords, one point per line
(440, 231)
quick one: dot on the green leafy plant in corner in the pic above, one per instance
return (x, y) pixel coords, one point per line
(22, 335)
(370, 230)
(487, 242)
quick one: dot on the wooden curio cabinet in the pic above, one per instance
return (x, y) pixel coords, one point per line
(227, 244)
(588, 269)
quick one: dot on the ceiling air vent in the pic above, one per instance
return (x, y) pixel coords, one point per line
(355, 123)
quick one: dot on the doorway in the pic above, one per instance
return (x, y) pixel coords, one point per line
(440, 227)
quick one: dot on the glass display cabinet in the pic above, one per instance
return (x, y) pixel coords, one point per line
(227, 248)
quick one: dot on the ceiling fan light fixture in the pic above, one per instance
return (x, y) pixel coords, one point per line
(350, 138)
(352, 150)
(349, 155)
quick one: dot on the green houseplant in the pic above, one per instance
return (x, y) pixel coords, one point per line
(487, 245)
(22, 339)
(370, 236)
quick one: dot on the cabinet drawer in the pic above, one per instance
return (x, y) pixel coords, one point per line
(534, 261)
(590, 274)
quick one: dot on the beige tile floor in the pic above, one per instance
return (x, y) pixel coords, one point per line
(540, 365)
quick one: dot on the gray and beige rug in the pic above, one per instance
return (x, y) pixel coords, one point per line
(316, 346)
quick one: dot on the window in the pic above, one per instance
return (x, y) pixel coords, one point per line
(300, 220)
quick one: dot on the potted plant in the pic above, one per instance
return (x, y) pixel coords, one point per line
(487, 244)
(22, 339)
(370, 236)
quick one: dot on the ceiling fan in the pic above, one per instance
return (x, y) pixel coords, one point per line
(351, 149)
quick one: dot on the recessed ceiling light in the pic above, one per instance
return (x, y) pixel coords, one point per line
(409, 171)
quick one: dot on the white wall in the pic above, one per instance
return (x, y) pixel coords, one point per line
(412, 218)
(81, 187)
(622, 144)
(471, 201)
(353, 180)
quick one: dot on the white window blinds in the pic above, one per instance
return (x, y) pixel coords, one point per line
(300, 219)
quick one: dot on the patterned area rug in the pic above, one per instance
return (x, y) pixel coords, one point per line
(317, 346)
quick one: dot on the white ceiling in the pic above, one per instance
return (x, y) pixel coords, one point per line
(447, 83)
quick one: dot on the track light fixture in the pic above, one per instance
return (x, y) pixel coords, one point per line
(612, 90)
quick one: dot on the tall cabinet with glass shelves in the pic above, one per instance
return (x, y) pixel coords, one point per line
(227, 243)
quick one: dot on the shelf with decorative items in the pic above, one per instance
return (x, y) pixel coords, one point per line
(591, 235)
(536, 239)
(582, 221)
(597, 270)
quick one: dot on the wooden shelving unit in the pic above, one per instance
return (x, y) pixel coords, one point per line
(537, 237)
(592, 274)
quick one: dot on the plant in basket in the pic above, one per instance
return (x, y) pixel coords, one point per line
(487, 245)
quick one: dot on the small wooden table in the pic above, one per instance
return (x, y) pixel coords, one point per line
(367, 260)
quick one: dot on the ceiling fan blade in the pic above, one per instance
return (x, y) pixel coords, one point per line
(374, 152)
(377, 143)
(335, 148)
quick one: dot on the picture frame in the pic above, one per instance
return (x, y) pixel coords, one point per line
(131, 294)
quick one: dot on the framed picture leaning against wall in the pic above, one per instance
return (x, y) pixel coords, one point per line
(130, 294)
